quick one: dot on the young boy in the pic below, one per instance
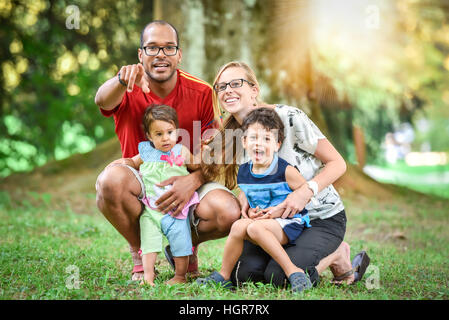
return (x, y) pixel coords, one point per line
(266, 180)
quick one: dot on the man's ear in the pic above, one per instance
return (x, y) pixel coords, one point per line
(139, 55)
(180, 55)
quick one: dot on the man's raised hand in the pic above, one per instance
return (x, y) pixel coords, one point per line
(135, 74)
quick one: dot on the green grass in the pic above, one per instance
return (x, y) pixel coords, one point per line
(407, 241)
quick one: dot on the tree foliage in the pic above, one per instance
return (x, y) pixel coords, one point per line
(374, 63)
(52, 65)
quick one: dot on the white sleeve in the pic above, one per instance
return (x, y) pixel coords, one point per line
(306, 132)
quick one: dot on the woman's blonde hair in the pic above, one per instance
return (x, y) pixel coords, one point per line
(227, 170)
(250, 76)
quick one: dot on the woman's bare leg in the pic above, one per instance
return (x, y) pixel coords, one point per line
(339, 262)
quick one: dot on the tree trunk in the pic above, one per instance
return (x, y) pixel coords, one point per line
(359, 145)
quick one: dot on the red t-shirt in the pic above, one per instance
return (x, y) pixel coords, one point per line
(191, 98)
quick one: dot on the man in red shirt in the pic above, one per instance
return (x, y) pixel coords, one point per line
(157, 80)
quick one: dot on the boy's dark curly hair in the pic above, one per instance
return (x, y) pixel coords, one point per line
(266, 117)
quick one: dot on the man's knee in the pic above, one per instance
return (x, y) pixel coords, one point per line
(221, 207)
(109, 185)
(227, 211)
(114, 185)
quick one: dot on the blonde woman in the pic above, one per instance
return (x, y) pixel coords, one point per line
(307, 149)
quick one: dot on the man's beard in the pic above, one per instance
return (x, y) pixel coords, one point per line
(160, 80)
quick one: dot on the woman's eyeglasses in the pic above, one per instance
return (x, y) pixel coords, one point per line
(236, 83)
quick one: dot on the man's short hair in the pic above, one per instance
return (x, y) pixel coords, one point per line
(159, 22)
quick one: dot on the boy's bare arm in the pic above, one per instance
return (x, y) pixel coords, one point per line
(294, 178)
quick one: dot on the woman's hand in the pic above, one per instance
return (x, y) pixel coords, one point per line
(294, 203)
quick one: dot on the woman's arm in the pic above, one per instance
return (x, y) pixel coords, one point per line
(294, 178)
(334, 168)
(334, 164)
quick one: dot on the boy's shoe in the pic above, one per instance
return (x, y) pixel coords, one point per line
(215, 278)
(299, 281)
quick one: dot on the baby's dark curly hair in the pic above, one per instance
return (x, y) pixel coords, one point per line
(159, 112)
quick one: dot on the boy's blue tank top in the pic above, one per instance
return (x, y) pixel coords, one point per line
(267, 189)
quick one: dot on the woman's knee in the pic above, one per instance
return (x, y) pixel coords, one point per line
(274, 274)
(244, 272)
(251, 264)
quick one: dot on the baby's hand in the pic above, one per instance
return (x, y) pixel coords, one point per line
(254, 213)
(266, 214)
